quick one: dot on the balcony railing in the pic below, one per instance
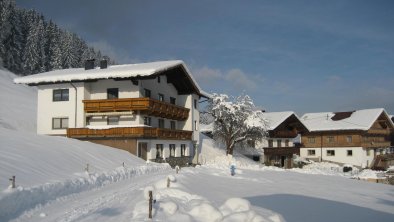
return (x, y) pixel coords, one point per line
(145, 105)
(377, 144)
(379, 131)
(281, 150)
(137, 132)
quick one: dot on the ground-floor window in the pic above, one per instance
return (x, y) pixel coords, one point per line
(60, 123)
(368, 152)
(183, 149)
(172, 150)
(349, 152)
(311, 152)
(330, 152)
(286, 143)
(159, 151)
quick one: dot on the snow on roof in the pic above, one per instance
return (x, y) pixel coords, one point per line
(114, 71)
(358, 120)
(276, 118)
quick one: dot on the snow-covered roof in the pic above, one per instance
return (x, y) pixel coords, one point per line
(357, 120)
(276, 118)
(111, 72)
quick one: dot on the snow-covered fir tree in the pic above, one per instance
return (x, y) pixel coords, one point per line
(29, 44)
(236, 120)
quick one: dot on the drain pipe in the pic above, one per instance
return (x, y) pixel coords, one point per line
(75, 112)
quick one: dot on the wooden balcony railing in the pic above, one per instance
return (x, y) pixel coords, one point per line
(378, 144)
(281, 150)
(137, 132)
(283, 134)
(379, 131)
(145, 105)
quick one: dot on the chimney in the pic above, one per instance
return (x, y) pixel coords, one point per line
(103, 64)
(89, 64)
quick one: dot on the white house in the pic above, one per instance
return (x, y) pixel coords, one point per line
(353, 137)
(149, 109)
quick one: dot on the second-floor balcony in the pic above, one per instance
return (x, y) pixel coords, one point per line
(134, 132)
(146, 106)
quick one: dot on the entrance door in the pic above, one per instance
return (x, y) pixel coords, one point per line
(142, 150)
(282, 161)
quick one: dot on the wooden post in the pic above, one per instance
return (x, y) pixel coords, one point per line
(12, 182)
(87, 167)
(123, 164)
(168, 182)
(150, 204)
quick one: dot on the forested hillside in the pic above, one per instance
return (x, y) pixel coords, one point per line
(30, 44)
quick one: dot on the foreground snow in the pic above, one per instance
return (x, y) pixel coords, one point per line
(55, 184)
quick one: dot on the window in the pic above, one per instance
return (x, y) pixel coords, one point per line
(60, 123)
(172, 100)
(270, 143)
(172, 125)
(161, 97)
(368, 152)
(158, 79)
(161, 123)
(172, 149)
(183, 149)
(286, 143)
(349, 152)
(349, 139)
(279, 142)
(195, 104)
(112, 93)
(311, 139)
(60, 95)
(330, 152)
(311, 152)
(147, 93)
(330, 139)
(147, 121)
(159, 151)
(113, 120)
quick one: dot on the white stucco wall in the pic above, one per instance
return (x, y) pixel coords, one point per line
(359, 157)
(166, 147)
(48, 109)
(98, 90)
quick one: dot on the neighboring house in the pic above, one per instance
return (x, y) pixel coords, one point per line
(148, 109)
(280, 146)
(346, 137)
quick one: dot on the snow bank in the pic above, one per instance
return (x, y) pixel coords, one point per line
(15, 201)
(18, 110)
(176, 204)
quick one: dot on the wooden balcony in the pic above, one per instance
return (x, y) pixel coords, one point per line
(379, 131)
(283, 134)
(146, 106)
(281, 151)
(136, 132)
(379, 144)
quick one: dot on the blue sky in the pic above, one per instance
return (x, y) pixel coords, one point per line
(305, 56)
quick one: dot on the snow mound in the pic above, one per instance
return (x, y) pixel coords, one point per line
(176, 204)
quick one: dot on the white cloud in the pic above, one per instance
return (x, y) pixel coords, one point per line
(240, 80)
(232, 79)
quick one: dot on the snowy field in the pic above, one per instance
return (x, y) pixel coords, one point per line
(53, 183)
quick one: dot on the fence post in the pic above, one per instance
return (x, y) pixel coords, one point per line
(168, 182)
(12, 182)
(150, 204)
(123, 164)
(87, 167)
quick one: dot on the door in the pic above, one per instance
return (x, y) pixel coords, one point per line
(142, 150)
(282, 161)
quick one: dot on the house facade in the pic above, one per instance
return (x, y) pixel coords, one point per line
(354, 137)
(148, 109)
(280, 146)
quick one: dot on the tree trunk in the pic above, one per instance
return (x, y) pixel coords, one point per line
(229, 150)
